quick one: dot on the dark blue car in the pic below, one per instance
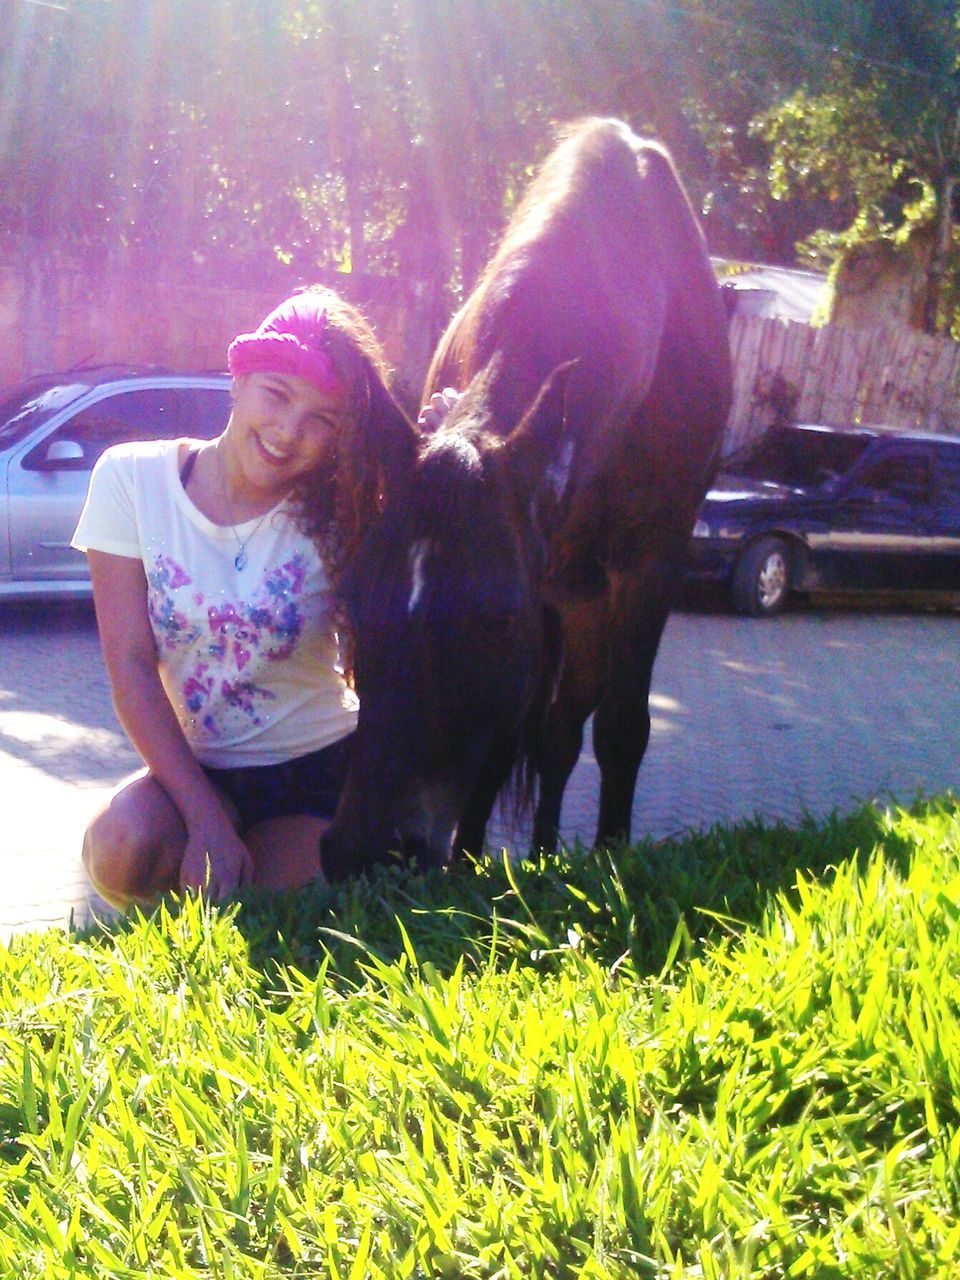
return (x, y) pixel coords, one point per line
(810, 508)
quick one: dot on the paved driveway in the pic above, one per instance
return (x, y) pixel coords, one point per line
(814, 711)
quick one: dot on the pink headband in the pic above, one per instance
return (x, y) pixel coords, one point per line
(288, 341)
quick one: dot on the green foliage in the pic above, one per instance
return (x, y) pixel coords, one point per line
(282, 138)
(875, 131)
(694, 1059)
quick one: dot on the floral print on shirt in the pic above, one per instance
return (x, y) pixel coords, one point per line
(265, 627)
(169, 623)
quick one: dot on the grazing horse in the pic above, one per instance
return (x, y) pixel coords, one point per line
(529, 551)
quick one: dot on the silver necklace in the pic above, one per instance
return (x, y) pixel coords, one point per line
(240, 559)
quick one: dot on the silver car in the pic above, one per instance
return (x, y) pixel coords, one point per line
(53, 429)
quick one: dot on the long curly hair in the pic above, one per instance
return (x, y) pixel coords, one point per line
(335, 504)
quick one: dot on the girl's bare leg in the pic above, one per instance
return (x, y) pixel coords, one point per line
(133, 847)
(286, 851)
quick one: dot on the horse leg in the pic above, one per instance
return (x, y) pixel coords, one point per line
(471, 831)
(563, 738)
(560, 738)
(641, 602)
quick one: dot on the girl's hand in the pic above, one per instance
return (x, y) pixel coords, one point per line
(441, 402)
(215, 860)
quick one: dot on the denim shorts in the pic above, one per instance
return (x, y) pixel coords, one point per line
(309, 784)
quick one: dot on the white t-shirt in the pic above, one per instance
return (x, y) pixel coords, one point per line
(248, 657)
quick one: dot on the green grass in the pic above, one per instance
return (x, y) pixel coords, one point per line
(732, 1056)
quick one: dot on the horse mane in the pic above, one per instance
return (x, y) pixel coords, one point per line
(598, 173)
(583, 170)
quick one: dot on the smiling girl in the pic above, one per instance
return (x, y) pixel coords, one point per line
(214, 567)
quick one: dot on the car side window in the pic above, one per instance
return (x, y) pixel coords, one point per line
(900, 475)
(149, 414)
(948, 478)
(204, 411)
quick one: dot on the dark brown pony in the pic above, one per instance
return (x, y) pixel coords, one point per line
(528, 553)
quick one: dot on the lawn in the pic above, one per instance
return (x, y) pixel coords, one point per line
(736, 1055)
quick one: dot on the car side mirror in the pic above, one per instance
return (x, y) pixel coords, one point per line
(58, 455)
(64, 451)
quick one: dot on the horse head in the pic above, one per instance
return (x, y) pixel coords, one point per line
(450, 636)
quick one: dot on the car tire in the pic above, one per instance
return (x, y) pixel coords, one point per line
(761, 579)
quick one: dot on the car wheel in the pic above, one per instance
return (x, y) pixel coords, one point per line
(761, 579)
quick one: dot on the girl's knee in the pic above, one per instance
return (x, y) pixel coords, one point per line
(107, 857)
(128, 863)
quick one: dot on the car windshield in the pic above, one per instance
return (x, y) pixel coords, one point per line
(30, 405)
(797, 458)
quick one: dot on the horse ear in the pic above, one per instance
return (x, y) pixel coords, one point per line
(539, 451)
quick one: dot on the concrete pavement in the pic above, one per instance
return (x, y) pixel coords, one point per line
(817, 710)
(61, 750)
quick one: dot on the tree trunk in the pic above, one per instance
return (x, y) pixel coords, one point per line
(942, 245)
(344, 127)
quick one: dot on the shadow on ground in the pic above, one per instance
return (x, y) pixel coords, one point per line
(634, 903)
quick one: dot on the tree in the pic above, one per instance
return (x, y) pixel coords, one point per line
(877, 132)
(732, 61)
(283, 139)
